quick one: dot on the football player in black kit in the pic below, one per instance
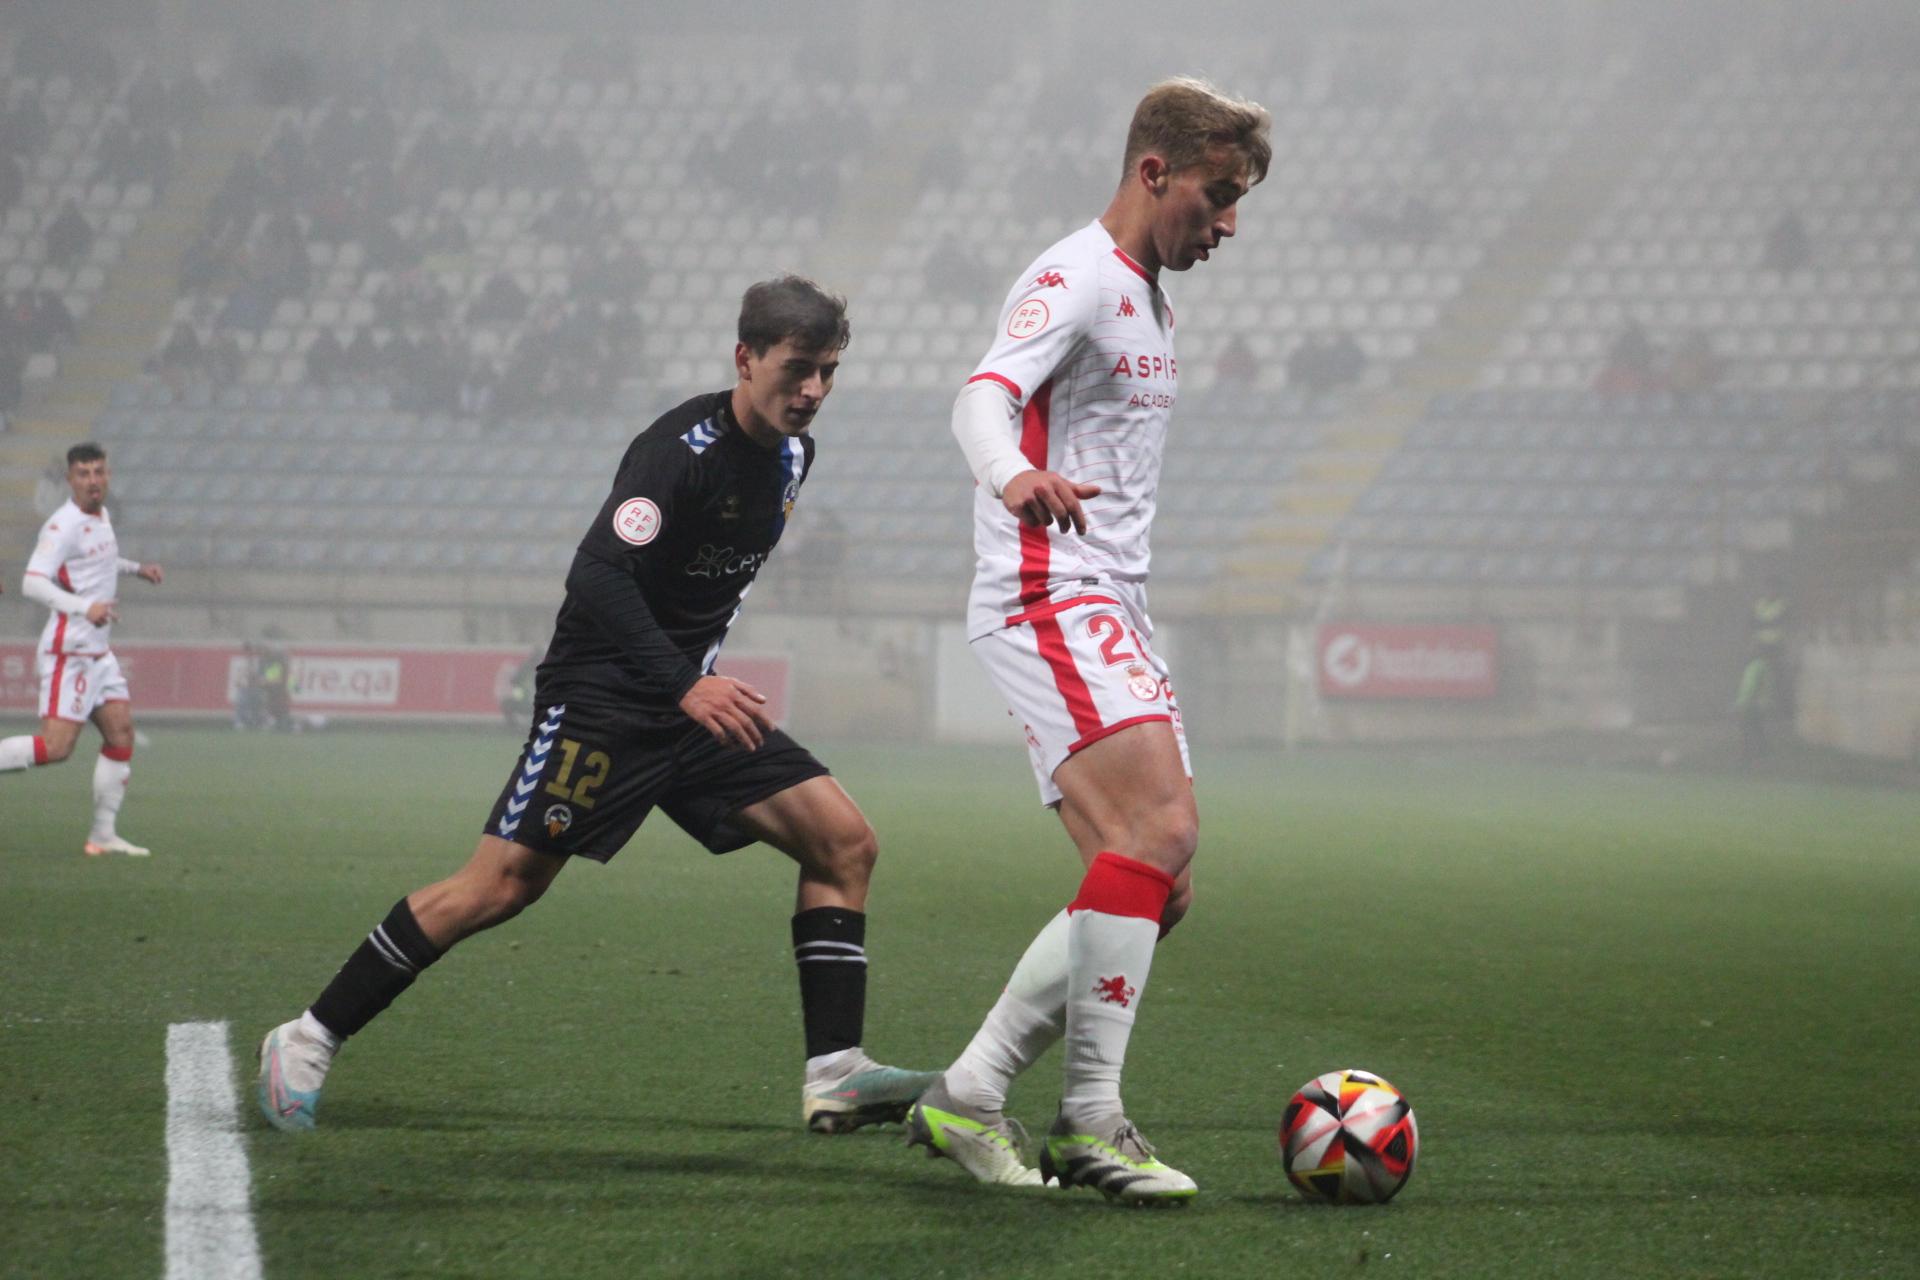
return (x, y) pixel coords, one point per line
(629, 716)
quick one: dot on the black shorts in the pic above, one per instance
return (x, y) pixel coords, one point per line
(589, 775)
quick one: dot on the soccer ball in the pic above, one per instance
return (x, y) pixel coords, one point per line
(1348, 1137)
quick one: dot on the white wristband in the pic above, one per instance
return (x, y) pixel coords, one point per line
(981, 414)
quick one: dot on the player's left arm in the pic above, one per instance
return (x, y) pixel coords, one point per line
(150, 572)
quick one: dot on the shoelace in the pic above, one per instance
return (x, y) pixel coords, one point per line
(1127, 1133)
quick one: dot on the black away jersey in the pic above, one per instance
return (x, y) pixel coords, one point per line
(696, 508)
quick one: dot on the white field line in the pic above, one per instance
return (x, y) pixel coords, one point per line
(209, 1219)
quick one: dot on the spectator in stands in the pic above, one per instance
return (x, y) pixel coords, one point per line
(1238, 366)
(201, 264)
(477, 387)
(363, 364)
(1788, 246)
(1694, 366)
(1632, 365)
(326, 360)
(25, 128)
(113, 158)
(500, 301)
(13, 365)
(238, 199)
(13, 182)
(222, 361)
(180, 360)
(69, 235)
(50, 325)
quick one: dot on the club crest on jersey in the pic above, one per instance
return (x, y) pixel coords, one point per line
(1114, 990)
(1141, 684)
(788, 498)
(1029, 318)
(730, 507)
(637, 521)
(559, 817)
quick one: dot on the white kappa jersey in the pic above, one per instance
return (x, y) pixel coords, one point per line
(80, 554)
(1085, 347)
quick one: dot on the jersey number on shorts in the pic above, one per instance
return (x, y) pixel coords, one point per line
(1110, 651)
(595, 773)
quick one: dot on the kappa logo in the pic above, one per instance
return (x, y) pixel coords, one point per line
(1126, 306)
(1049, 280)
(559, 817)
(1114, 990)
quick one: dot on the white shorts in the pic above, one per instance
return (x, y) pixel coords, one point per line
(1072, 675)
(73, 685)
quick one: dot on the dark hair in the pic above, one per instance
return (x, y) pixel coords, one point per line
(793, 307)
(88, 452)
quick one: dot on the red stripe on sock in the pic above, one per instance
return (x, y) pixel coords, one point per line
(1118, 886)
(122, 754)
(39, 750)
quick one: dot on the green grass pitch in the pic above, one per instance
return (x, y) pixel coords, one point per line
(1652, 1025)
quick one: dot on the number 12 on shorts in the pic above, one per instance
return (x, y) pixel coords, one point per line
(581, 792)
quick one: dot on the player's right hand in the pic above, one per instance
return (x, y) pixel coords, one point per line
(100, 613)
(733, 711)
(1046, 497)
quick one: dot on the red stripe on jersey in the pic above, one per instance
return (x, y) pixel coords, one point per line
(1066, 676)
(65, 581)
(59, 635)
(1139, 270)
(53, 695)
(1008, 383)
(1058, 606)
(1036, 545)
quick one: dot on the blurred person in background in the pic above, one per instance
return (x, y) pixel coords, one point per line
(74, 572)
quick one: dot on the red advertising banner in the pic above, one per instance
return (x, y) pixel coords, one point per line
(351, 681)
(1378, 660)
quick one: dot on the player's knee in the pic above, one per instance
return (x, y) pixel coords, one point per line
(848, 855)
(1172, 835)
(501, 897)
(56, 750)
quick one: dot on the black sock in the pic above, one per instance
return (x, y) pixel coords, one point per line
(376, 973)
(829, 946)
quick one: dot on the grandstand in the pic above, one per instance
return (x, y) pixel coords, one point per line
(1621, 336)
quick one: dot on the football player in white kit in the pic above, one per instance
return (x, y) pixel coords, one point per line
(1063, 425)
(75, 571)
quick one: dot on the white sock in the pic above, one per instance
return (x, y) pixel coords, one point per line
(829, 1065)
(315, 1030)
(1023, 1024)
(1109, 958)
(109, 789)
(16, 753)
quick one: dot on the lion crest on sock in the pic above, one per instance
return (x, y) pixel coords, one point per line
(1114, 990)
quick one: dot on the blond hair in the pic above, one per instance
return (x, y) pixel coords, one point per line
(1185, 120)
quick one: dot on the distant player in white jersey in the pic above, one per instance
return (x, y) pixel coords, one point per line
(75, 572)
(1063, 425)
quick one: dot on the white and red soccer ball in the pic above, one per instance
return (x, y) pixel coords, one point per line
(1348, 1137)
